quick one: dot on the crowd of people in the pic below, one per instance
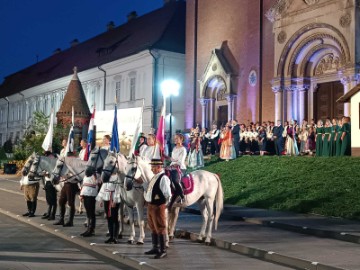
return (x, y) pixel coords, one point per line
(332, 138)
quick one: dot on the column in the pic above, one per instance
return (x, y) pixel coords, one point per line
(278, 102)
(346, 81)
(295, 103)
(211, 112)
(289, 104)
(230, 100)
(301, 115)
(312, 89)
(203, 103)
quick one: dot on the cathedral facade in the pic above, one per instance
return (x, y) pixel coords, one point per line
(270, 60)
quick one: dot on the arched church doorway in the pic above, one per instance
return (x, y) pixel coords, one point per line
(325, 105)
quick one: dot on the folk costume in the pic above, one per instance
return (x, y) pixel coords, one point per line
(51, 198)
(88, 193)
(31, 191)
(157, 193)
(326, 142)
(195, 157)
(109, 194)
(278, 139)
(227, 150)
(319, 140)
(346, 140)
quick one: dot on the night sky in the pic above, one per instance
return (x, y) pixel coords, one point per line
(34, 29)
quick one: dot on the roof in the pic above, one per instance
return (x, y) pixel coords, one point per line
(346, 98)
(162, 29)
(74, 98)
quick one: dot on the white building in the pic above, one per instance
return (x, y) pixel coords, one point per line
(129, 61)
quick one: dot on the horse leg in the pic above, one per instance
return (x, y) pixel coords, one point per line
(204, 214)
(140, 217)
(132, 225)
(173, 217)
(210, 211)
(121, 217)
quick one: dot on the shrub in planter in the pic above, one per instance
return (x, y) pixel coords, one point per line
(8, 146)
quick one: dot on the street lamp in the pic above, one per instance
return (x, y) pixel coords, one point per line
(170, 88)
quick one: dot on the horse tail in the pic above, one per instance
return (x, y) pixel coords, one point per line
(219, 200)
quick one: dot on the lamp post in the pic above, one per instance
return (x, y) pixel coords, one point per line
(170, 88)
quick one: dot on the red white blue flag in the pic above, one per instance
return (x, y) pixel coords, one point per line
(90, 137)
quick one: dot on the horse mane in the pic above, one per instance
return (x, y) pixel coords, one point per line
(75, 162)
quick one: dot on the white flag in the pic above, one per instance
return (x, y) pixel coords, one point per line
(136, 135)
(47, 144)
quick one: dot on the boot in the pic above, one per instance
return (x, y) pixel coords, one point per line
(33, 208)
(70, 222)
(47, 214)
(62, 214)
(53, 213)
(162, 253)
(29, 204)
(155, 243)
(88, 233)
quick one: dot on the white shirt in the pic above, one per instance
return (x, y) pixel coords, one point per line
(214, 134)
(178, 157)
(164, 186)
(109, 191)
(151, 152)
(63, 152)
(89, 186)
(142, 150)
(24, 181)
(82, 154)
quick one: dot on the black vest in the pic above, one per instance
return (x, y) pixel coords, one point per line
(157, 197)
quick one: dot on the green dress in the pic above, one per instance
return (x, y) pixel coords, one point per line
(332, 141)
(319, 141)
(326, 143)
(338, 141)
(346, 142)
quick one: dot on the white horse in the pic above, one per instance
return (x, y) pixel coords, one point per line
(132, 198)
(41, 164)
(29, 161)
(69, 168)
(207, 190)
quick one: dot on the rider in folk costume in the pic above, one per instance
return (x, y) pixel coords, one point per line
(177, 167)
(151, 150)
(109, 195)
(157, 193)
(83, 144)
(142, 146)
(63, 151)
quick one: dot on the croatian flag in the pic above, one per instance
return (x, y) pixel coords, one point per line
(160, 134)
(70, 142)
(90, 137)
(114, 144)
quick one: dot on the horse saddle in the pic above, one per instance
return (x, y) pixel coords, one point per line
(187, 183)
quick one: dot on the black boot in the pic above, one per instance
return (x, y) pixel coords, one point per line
(155, 243)
(70, 222)
(62, 215)
(162, 253)
(88, 233)
(33, 208)
(53, 213)
(28, 204)
(47, 214)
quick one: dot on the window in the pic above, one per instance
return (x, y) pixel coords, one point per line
(1, 116)
(132, 88)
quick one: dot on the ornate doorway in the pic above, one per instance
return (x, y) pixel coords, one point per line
(325, 105)
(222, 115)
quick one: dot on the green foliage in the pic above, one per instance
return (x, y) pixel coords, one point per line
(325, 186)
(8, 146)
(2, 154)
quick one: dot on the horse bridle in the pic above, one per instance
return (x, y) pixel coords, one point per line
(111, 171)
(100, 169)
(26, 169)
(35, 172)
(58, 175)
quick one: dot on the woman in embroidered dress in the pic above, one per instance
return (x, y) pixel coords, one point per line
(303, 139)
(326, 139)
(310, 144)
(338, 138)
(319, 138)
(109, 196)
(227, 150)
(195, 157)
(346, 137)
(291, 145)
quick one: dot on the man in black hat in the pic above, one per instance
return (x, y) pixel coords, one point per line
(157, 194)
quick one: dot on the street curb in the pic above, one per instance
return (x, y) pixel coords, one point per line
(260, 254)
(115, 256)
(341, 236)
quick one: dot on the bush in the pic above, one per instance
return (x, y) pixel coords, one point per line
(8, 146)
(2, 154)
